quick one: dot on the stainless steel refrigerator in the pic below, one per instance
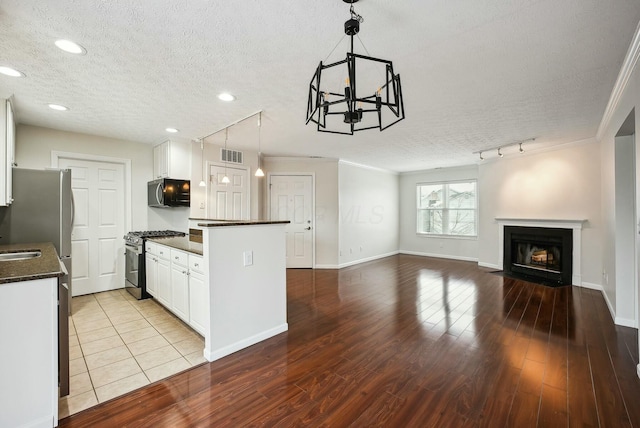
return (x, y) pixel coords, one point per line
(42, 211)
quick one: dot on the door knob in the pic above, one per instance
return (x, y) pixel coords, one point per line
(307, 228)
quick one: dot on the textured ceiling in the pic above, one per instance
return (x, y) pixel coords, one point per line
(475, 73)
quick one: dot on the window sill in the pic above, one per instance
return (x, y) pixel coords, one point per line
(464, 238)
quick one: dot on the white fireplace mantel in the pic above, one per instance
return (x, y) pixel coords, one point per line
(574, 224)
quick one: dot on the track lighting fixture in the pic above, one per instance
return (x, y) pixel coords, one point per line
(202, 182)
(225, 179)
(502, 146)
(259, 171)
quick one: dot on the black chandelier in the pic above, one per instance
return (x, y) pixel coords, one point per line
(346, 112)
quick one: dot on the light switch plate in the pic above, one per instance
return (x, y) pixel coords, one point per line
(248, 258)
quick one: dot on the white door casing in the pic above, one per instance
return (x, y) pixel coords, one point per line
(291, 198)
(97, 248)
(228, 201)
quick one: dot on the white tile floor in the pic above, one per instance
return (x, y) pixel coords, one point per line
(118, 344)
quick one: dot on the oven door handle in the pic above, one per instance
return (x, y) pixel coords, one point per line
(134, 249)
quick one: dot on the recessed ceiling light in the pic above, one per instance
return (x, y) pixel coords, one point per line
(172, 130)
(8, 71)
(71, 47)
(58, 107)
(225, 96)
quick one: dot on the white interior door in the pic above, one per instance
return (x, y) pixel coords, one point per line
(228, 201)
(97, 247)
(291, 199)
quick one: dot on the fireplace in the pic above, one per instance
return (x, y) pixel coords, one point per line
(539, 254)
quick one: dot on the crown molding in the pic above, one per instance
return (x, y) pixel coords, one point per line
(626, 71)
(372, 168)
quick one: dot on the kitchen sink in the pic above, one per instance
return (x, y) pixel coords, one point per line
(19, 255)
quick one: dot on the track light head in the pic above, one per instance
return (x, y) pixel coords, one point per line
(481, 158)
(499, 153)
(521, 149)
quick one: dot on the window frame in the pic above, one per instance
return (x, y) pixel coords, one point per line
(445, 209)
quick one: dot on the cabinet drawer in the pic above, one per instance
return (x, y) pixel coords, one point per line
(163, 252)
(151, 248)
(179, 257)
(196, 264)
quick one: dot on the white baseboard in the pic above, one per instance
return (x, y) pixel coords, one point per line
(624, 322)
(367, 259)
(591, 286)
(489, 265)
(439, 256)
(326, 267)
(213, 355)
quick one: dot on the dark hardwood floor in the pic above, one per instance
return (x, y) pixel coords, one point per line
(409, 341)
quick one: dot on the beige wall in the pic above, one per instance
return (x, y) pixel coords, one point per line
(34, 146)
(369, 209)
(412, 243)
(558, 184)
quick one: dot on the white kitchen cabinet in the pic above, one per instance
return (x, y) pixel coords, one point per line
(7, 151)
(180, 284)
(163, 282)
(151, 266)
(29, 357)
(198, 295)
(173, 160)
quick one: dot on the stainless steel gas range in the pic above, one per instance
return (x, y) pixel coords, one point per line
(135, 272)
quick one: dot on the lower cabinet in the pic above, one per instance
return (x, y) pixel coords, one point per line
(180, 291)
(198, 302)
(151, 266)
(163, 282)
(177, 280)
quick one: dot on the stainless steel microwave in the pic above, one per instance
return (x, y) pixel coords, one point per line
(169, 192)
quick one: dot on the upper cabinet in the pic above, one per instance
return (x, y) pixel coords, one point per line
(172, 160)
(7, 151)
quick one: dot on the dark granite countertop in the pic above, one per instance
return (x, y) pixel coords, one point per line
(222, 223)
(180, 243)
(45, 266)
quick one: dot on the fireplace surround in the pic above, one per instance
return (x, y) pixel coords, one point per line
(575, 225)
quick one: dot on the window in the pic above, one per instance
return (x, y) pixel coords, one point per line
(447, 208)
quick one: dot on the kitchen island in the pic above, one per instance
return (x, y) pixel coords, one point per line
(238, 295)
(29, 335)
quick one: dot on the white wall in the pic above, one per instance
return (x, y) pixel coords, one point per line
(410, 241)
(625, 228)
(559, 184)
(326, 201)
(615, 289)
(34, 146)
(368, 213)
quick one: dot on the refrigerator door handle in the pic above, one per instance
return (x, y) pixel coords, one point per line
(73, 210)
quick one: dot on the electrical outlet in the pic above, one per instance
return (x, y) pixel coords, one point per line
(201, 205)
(248, 258)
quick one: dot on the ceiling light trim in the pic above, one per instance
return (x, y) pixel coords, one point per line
(70, 46)
(11, 72)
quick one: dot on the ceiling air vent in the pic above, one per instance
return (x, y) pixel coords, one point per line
(231, 156)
